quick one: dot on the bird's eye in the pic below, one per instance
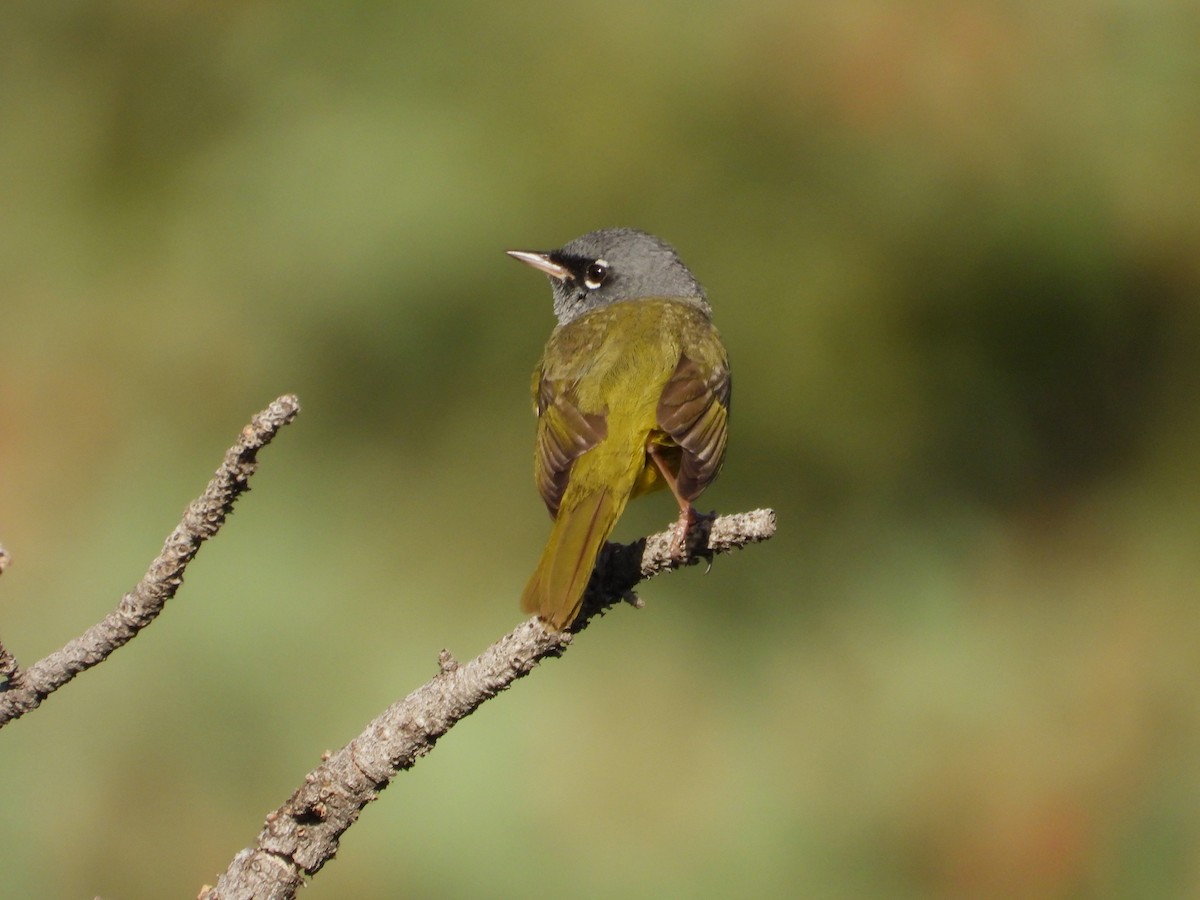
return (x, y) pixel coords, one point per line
(597, 274)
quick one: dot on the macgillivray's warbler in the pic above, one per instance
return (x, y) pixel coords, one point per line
(632, 395)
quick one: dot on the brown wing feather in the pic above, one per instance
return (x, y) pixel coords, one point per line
(564, 434)
(694, 411)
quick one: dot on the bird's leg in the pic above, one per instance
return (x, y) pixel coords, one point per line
(688, 517)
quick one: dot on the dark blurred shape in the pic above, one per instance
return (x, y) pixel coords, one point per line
(1041, 376)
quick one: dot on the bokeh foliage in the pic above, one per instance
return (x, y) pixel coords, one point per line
(953, 250)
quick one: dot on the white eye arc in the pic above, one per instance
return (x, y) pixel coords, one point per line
(596, 275)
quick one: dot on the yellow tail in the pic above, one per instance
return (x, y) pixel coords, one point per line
(555, 591)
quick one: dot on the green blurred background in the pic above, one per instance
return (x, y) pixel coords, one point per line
(953, 249)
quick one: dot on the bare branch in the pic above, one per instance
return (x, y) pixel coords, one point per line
(203, 518)
(303, 834)
(10, 670)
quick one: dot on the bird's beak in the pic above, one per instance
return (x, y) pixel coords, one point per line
(542, 262)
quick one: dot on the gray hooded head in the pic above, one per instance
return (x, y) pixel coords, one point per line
(611, 265)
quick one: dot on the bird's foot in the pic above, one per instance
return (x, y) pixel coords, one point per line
(691, 530)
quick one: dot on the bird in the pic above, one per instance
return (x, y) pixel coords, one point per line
(632, 395)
